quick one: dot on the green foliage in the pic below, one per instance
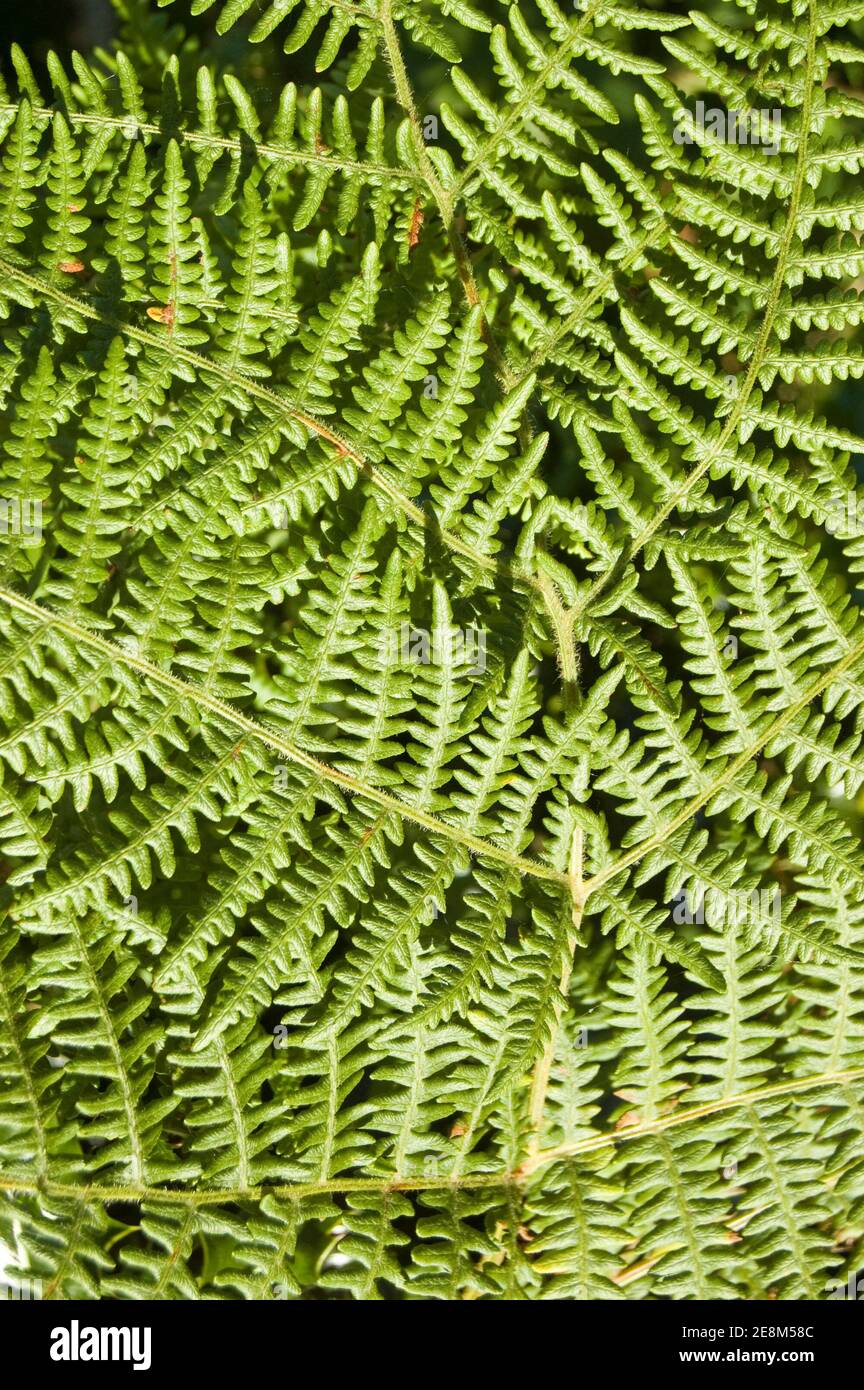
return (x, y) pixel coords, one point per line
(431, 674)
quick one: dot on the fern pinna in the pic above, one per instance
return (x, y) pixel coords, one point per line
(431, 674)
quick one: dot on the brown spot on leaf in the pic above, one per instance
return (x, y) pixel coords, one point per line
(631, 1118)
(416, 224)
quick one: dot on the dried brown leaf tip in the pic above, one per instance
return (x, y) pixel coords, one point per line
(416, 225)
(162, 314)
